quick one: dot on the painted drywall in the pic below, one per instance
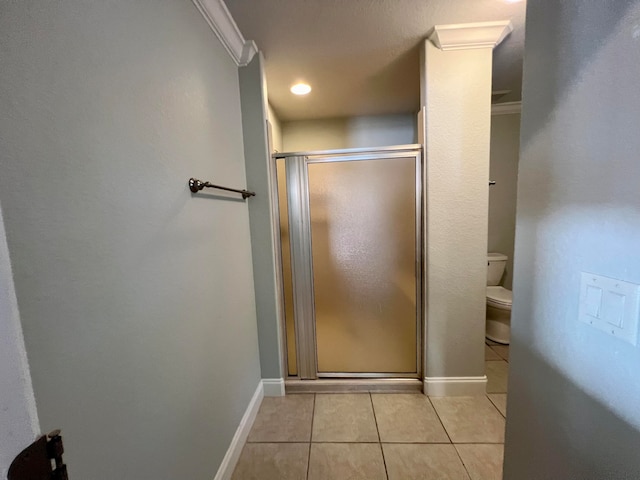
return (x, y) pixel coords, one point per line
(256, 150)
(505, 148)
(276, 129)
(574, 391)
(353, 132)
(456, 91)
(308, 135)
(136, 297)
(18, 414)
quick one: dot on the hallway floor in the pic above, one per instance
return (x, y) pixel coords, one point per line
(381, 436)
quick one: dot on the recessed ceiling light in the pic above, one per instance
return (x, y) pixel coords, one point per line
(300, 89)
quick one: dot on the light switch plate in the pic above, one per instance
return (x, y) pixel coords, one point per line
(610, 305)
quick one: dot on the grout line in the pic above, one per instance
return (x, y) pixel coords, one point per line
(416, 443)
(382, 443)
(462, 461)
(494, 403)
(497, 353)
(453, 444)
(479, 443)
(375, 419)
(283, 441)
(344, 442)
(313, 417)
(439, 419)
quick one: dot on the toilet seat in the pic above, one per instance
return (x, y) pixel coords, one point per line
(499, 297)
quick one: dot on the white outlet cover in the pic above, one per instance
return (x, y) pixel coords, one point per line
(610, 305)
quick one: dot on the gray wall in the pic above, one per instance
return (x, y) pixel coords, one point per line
(18, 415)
(574, 391)
(353, 132)
(505, 148)
(136, 297)
(276, 129)
(256, 150)
(456, 93)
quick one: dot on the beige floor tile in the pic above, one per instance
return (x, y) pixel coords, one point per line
(283, 419)
(470, 419)
(423, 461)
(344, 418)
(490, 354)
(483, 462)
(497, 376)
(407, 418)
(352, 461)
(500, 401)
(502, 350)
(272, 461)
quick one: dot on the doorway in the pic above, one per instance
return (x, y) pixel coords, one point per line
(351, 248)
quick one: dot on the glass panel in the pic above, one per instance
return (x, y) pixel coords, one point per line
(363, 241)
(286, 267)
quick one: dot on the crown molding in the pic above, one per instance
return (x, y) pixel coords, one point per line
(506, 108)
(464, 36)
(224, 26)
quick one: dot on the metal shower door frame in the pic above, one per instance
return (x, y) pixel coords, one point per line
(297, 178)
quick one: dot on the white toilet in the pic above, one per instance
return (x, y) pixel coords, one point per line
(499, 300)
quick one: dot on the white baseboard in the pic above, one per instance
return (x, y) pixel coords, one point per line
(230, 459)
(455, 386)
(273, 387)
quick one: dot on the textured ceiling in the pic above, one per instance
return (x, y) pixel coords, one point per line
(362, 57)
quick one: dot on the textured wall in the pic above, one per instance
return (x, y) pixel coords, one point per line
(256, 151)
(574, 391)
(276, 129)
(136, 298)
(18, 415)
(505, 148)
(354, 132)
(457, 100)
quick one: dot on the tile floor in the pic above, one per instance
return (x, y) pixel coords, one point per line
(381, 436)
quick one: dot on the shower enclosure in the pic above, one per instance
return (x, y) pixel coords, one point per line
(351, 245)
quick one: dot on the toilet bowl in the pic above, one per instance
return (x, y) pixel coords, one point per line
(498, 326)
(499, 301)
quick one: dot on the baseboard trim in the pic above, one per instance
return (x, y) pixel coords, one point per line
(455, 386)
(506, 108)
(230, 459)
(273, 387)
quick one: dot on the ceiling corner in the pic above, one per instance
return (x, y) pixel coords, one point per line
(224, 26)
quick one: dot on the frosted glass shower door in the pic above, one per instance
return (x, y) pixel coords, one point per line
(364, 225)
